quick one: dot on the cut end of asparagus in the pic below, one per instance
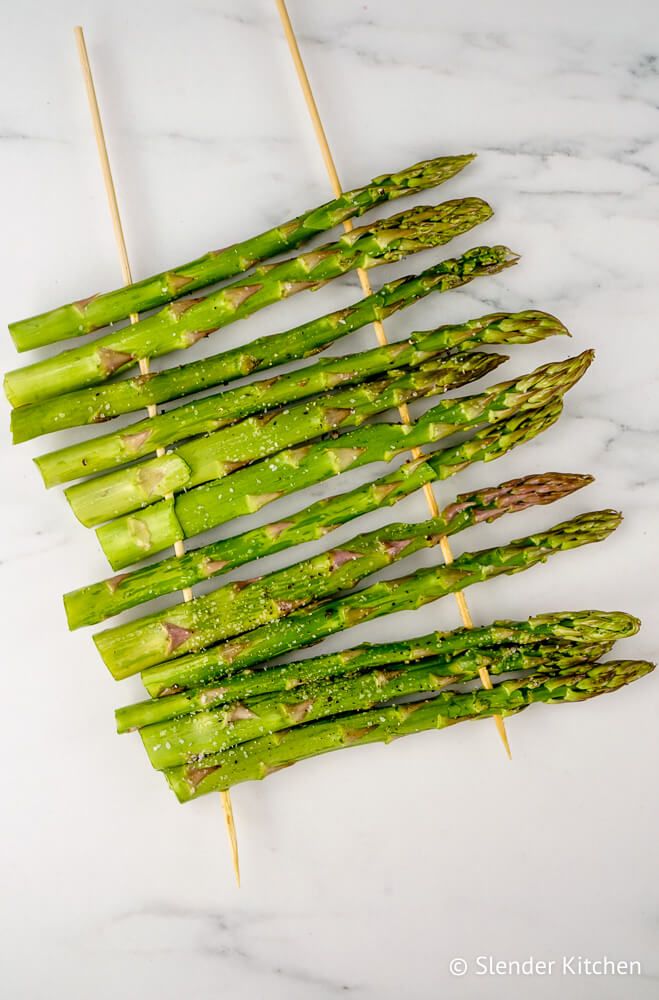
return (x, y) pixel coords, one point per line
(8, 386)
(43, 464)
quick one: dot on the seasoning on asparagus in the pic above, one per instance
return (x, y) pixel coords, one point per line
(97, 311)
(245, 706)
(203, 416)
(181, 324)
(261, 757)
(577, 630)
(134, 536)
(97, 601)
(246, 604)
(406, 593)
(191, 738)
(213, 456)
(103, 402)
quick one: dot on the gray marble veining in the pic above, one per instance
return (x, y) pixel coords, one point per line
(364, 872)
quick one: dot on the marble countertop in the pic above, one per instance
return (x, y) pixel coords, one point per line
(366, 872)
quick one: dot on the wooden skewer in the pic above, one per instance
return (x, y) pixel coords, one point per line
(120, 240)
(364, 280)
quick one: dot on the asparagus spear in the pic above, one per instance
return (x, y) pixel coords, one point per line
(576, 630)
(101, 403)
(246, 604)
(216, 455)
(101, 600)
(190, 738)
(202, 416)
(182, 324)
(131, 538)
(270, 753)
(97, 311)
(386, 597)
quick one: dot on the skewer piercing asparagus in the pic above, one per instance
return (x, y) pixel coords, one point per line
(406, 593)
(97, 311)
(246, 604)
(213, 456)
(97, 601)
(191, 738)
(183, 323)
(570, 630)
(263, 756)
(131, 538)
(203, 416)
(103, 402)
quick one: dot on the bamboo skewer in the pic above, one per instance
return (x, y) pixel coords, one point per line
(120, 241)
(364, 280)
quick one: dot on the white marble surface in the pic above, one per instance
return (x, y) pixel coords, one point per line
(365, 872)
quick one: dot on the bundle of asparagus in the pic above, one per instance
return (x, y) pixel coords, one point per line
(191, 738)
(96, 311)
(246, 604)
(98, 601)
(216, 455)
(219, 711)
(306, 626)
(104, 402)
(132, 537)
(191, 735)
(213, 412)
(265, 754)
(182, 324)
(580, 630)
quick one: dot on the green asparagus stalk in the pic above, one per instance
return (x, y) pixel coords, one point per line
(190, 738)
(203, 416)
(575, 630)
(98, 311)
(213, 456)
(183, 323)
(263, 756)
(131, 538)
(242, 606)
(103, 402)
(97, 601)
(386, 597)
